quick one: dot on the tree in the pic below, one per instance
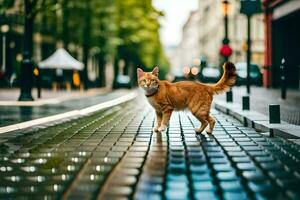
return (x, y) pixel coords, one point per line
(138, 31)
(109, 30)
(103, 34)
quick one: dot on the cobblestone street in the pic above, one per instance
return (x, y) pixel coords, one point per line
(113, 154)
(85, 85)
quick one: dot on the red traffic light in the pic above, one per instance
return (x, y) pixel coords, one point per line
(226, 50)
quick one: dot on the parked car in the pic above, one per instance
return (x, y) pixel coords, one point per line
(255, 74)
(210, 75)
(122, 81)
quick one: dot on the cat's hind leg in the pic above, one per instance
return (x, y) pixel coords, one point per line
(212, 123)
(204, 123)
(203, 120)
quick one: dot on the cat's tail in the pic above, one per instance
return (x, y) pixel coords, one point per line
(227, 80)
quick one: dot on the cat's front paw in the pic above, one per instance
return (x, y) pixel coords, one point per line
(155, 129)
(162, 128)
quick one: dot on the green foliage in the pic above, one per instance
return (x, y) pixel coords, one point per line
(103, 33)
(5, 4)
(138, 30)
(121, 29)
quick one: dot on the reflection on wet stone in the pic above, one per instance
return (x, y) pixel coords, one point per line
(25, 113)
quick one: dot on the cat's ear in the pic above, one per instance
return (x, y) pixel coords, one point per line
(155, 71)
(139, 72)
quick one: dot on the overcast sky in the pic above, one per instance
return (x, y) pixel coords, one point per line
(176, 14)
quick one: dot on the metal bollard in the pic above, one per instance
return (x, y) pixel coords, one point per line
(283, 79)
(274, 114)
(246, 103)
(229, 96)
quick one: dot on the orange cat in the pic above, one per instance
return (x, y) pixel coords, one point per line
(165, 97)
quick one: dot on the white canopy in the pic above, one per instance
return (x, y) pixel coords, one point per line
(61, 59)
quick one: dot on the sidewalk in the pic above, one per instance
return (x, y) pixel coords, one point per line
(113, 154)
(260, 98)
(12, 112)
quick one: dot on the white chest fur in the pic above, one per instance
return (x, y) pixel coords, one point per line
(153, 103)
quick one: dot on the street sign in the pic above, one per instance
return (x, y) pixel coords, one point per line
(250, 7)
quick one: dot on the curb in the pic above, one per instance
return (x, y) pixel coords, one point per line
(73, 113)
(258, 121)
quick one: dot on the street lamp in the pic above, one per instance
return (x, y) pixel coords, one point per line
(225, 8)
(26, 75)
(248, 8)
(196, 62)
(194, 71)
(4, 30)
(186, 70)
(226, 50)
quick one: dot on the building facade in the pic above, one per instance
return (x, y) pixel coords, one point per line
(188, 48)
(212, 32)
(282, 31)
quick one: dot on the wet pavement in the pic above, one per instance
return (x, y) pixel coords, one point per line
(15, 114)
(113, 154)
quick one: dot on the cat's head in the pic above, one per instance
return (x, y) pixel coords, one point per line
(148, 80)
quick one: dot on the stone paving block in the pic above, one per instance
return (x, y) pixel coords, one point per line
(121, 158)
(205, 195)
(240, 195)
(227, 176)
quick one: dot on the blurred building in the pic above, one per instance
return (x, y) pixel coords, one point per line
(282, 24)
(188, 48)
(211, 32)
